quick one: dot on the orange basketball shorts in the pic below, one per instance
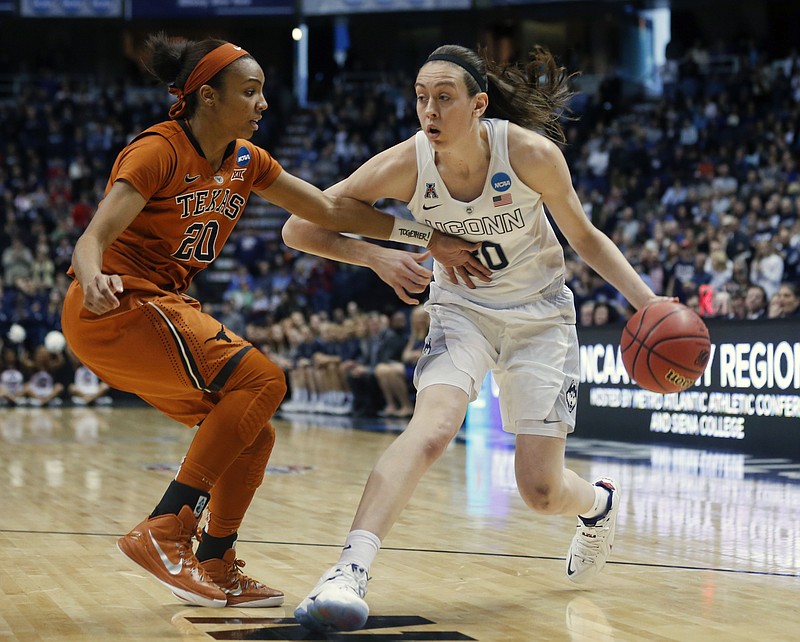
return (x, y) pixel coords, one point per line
(158, 345)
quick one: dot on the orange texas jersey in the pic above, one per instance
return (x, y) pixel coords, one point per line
(191, 210)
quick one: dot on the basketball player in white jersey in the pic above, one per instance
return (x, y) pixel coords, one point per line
(486, 180)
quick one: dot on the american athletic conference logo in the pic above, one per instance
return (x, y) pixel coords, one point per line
(242, 156)
(501, 182)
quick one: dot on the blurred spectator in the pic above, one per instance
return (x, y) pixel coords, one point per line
(12, 380)
(774, 308)
(17, 263)
(737, 242)
(741, 275)
(302, 374)
(353, 347)
(721, 304)
(737, 306)
(44, 387)
(603, 314)
(719, 268)
(392, 375)
(240, 291)
(586, 313)
(766, 268)
(383, 344)
(651, 267)
(755, 303)
(87, 389)
(42, 269)
(788, 301)
(278, 348)
(334, 393)
(682, 271)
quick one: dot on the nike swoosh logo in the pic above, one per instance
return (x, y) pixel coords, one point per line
(430, 207)
(191, 179)
(569, 567)
(173, 568)
(236, 592)
(548, 421)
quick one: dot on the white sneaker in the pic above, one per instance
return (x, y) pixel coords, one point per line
(336, 602)
(593, 539)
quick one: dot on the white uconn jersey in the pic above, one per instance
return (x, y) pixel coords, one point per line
(519, 245)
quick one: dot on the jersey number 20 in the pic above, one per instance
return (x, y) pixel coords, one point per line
(198, 242)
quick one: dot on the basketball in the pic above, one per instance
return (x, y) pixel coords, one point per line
(665, 347)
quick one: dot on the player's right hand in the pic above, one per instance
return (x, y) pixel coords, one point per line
(402, 271)
(457, 257)
(100, 294)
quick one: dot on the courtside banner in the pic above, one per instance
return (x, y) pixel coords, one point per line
(339, 7)
(748, 399)
(70, 8)
(194, 8)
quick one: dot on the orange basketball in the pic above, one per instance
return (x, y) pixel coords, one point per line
(665, 347)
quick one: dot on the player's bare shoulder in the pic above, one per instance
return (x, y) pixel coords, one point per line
(525, 145)
(397, 159)
(535, 158)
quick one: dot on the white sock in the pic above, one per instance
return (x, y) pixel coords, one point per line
(600, 506)
(360, 548)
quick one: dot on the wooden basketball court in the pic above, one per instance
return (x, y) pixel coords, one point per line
(708, 544)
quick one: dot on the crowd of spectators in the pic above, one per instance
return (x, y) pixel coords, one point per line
(700, 189)
(350, 362)
(48, 376)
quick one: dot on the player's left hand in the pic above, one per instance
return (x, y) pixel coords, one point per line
(656, 299)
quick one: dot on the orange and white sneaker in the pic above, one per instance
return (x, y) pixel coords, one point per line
(241, 591)
(162, 546)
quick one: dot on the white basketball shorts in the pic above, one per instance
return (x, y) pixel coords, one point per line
(531, 349)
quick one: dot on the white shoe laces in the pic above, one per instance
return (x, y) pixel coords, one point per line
(350, 576)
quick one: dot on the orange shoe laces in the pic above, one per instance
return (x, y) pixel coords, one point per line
(235, 572)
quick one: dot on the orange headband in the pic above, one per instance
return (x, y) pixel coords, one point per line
(208, 67)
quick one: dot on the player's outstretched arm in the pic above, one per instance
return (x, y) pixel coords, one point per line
(348, 207)
(546, 171)
(401, 270)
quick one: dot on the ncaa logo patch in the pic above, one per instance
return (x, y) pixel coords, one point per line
(242, 156)
(501, 181)
(571, 396)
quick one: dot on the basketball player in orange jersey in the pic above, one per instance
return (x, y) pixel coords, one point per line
(173, 197)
